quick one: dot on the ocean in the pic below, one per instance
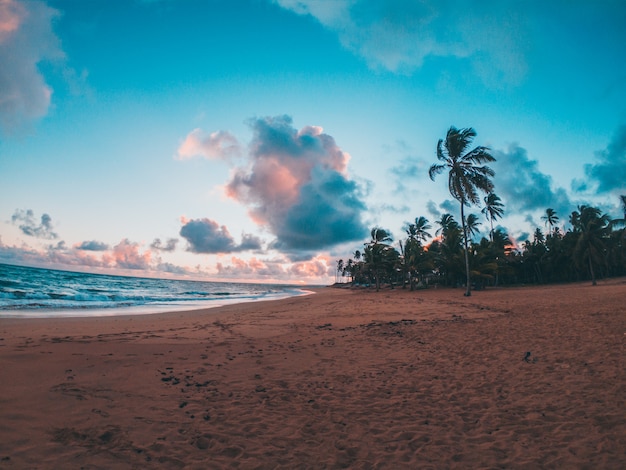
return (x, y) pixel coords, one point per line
(35, 293)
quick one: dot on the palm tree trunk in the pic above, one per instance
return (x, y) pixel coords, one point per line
(593, 276)
(467, 269)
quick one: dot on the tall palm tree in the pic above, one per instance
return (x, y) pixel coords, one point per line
(349, 268)
(592, 228)
(356, 268)
(493, 210)
(467, 174)
(550, 218)
(339, 271)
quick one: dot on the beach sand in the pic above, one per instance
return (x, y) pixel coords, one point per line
(530, 377)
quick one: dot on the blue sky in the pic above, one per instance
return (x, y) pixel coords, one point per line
(262, 139)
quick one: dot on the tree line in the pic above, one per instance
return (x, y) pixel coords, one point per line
(593, 247)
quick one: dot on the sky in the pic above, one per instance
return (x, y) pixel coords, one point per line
(261, 140)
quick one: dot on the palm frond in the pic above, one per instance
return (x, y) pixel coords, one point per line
(479, 155)
(435, 169)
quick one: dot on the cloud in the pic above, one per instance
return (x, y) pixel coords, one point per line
(26, 39)
(60, 246)
(207, 236)
(279, 268)
(432, 209)
(450, 206)
(393, 209)
(92, 245)
(317, 267)
(296, 186)
(249, 242)
(410, 168)
(29, 226)
(407, 174)
(399, 35)
(171, 268)
(126, 255)
(523, 187)
(217, 145)
(609, 174)
(169, 246)
(252, 268)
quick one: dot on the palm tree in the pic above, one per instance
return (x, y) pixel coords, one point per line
(550, 219)
(375, 251)
(447, 255)
(467, 174)
(471, 225)
(413, 249)
(574, 220)
(484, 266)
(494, 209)
(356, 267)
(349, 268)
(419, 230)
(446, 224)
(501, 249)
(339, 270)
(592, 228)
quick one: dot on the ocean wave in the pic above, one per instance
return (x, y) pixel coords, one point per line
(27, 290)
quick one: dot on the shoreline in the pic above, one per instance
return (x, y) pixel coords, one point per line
(137, 310)
(344, 378)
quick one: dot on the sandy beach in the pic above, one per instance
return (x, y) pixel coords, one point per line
(531, 377)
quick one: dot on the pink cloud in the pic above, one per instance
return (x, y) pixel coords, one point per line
(217, 145)
(11, 15)
(295, 182)
(253, 268)
(126, 255)
(318, 269)
(74, 258)
(282, 161)
(273, 182)
(296, 185)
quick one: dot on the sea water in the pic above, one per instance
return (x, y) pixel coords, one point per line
(36, 292)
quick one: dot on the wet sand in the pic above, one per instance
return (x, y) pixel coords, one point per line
(531, 377)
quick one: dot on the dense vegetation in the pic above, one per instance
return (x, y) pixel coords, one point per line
(593, 247)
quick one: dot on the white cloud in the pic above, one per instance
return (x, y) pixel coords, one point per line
(26, 39)
(398, 35)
